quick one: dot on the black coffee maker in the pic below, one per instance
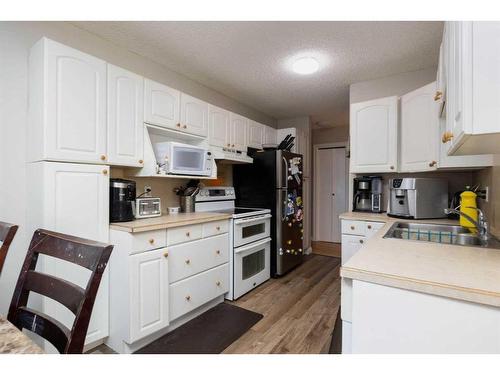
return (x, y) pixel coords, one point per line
(121, 200)
(367, 192)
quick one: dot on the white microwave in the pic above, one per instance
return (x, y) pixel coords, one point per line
(183, 159)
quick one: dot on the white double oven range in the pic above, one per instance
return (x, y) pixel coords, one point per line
(249, 236)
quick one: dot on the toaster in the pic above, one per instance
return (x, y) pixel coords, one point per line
(147, 207)
(418, 198)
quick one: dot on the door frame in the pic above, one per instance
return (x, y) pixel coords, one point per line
(316, 148)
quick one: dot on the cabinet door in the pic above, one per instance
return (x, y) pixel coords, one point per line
(75, 112)
(148, 293)
(374, 135)
(125, 117)
(418, 130)
(455, 83)
(255, 134)
(270, 135)
(238, 132)
(218, 125)
(76, 202)
(350, 245)
(194, 115)
(161, 105)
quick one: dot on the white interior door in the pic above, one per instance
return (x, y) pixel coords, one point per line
(330, 193)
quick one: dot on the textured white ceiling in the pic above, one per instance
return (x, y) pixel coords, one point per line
(248, 60)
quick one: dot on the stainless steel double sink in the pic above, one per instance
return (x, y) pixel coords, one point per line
(439, 233)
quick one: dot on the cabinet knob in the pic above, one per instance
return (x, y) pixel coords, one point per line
(105, 172)
(165, 254)
(188, 298)
(432, 163)
(369, 227)
(103, 157)
(438, 95)
(217, 283)
(188, 234)
(232, 145)
(361, 241)
(392, 167)
(151, 241)
(352, 227)
(218, 228)
(217, 252)
(188, 261)
(447, 136)
(184, 126)
(178, 125)
(141, 161)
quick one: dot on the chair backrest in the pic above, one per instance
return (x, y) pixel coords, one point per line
(7, 233)
(88, 254)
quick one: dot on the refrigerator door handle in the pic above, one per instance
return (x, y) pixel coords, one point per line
(286, 172)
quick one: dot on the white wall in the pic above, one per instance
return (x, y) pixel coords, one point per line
(16, 38)
(330, 135)
(397, 84)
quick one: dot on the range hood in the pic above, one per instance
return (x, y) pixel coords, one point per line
(227, 156)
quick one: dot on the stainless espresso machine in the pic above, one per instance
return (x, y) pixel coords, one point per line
(367, 194)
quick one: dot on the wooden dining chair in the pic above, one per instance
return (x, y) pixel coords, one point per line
(7, 233)
(84, 253)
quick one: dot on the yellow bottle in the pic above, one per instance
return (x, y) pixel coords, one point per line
(468, 199)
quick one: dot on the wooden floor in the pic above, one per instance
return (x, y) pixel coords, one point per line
(331, 249)
(299, 310)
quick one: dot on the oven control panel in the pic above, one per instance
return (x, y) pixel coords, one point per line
(216, 193)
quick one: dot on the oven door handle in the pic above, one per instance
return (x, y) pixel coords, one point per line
(251, 220)
(242, 249)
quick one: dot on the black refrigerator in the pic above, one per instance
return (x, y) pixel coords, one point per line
(274, 181)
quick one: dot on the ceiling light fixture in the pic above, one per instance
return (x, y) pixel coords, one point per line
(305, 65)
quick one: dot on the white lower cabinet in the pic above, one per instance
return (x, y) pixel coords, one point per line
(188, 294)
(354, 235)
(160, 279)
(72, 199)
(148, 293)
(387, 320)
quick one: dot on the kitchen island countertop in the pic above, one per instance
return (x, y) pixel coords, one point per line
(168, 221)
(462, 272)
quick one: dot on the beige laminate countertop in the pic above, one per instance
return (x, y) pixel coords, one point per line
(460, 272)
(168, 221)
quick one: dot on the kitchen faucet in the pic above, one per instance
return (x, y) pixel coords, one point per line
(481, 224)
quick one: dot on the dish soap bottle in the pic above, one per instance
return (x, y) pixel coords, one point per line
(468, 199)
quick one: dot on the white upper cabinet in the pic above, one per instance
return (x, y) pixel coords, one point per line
(473, 78)
(255, 134)
(270, 135)
(125, 117)
(67, 104)
(194, 115)
(374, 135)
(161, 105)
(238, 132)
(218, 125)
(418, 130)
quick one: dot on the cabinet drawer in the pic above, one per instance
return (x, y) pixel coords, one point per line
(372, 227)
(215, 227)
(193, 257)
(149, 240)
(183, 234)
(354, 227)
(188, 294)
